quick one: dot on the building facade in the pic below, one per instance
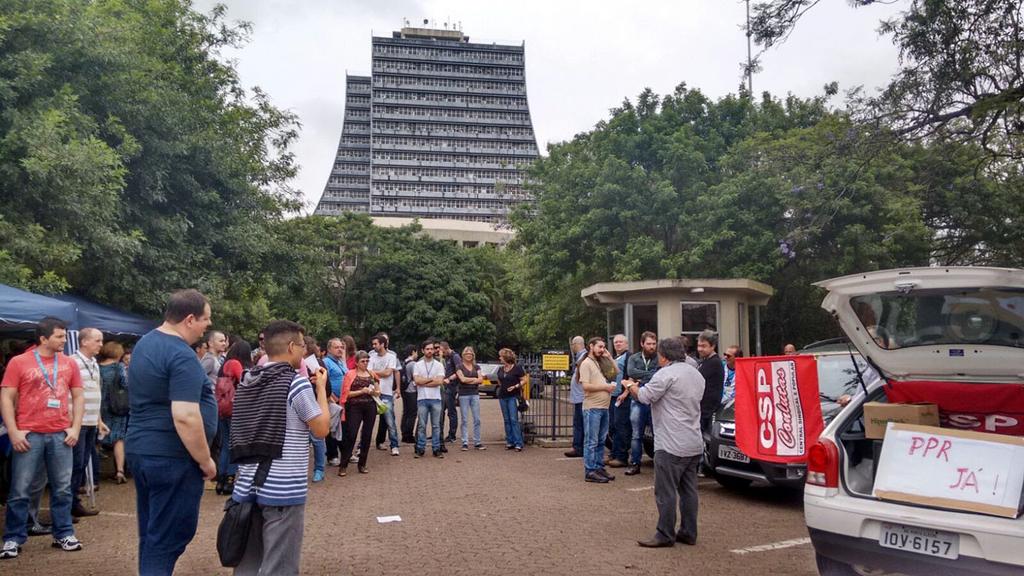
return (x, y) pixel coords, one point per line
(448, 131)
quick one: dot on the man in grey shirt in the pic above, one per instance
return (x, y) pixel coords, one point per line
(674, 394)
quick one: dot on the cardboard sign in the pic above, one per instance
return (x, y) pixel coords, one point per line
(877, 416)
(952, 469)
(778, 411)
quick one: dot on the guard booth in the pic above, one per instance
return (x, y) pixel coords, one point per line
(730, 307)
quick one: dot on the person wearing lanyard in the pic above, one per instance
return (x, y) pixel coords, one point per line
(429, 375)
(43, 430)
(641, 368)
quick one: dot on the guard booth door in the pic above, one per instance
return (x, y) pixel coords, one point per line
(632, 320)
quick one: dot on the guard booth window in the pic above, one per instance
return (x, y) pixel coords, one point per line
(699, 316)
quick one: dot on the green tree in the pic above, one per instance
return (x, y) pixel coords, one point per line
(961, 75)
(132, 161)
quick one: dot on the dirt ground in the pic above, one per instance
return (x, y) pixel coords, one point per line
(472, 513)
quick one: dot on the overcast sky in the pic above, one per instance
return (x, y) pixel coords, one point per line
(582, 57)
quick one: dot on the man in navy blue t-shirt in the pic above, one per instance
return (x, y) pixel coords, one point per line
(173, 419)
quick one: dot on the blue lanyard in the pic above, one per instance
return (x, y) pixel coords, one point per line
(429, 367)
(46, 376)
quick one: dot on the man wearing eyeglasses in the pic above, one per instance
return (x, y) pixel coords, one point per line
(729, 364)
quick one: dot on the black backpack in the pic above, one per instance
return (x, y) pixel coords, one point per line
(116, 396)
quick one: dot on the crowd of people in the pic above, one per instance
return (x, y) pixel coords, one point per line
(209, 411)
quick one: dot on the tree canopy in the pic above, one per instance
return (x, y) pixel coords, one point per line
(961, 75)
(787, 192)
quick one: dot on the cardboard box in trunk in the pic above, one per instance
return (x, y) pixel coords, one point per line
(877, 416)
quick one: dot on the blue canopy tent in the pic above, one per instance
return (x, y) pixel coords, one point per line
(108, 320)
(21, 310)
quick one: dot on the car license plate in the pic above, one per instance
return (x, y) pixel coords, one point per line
(920, 540)
(730, 453)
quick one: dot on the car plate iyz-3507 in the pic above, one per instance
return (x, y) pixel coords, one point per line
(731, 453)
(920, 540)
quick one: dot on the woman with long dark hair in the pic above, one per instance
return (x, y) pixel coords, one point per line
(350, 351)
(357, 396)
(237, 363)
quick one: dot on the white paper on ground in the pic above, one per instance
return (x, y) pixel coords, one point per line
(387, 519)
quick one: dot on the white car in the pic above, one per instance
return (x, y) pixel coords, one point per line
(959, 325)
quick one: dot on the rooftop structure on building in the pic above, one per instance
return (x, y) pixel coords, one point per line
(441, 129)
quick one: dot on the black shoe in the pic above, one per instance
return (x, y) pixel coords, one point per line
(439, 453)
(655, 543)
(688, 540)
(418, 454)
(573, 454)
(632, 470)
(605, 473)
(444, 449)
(81, 511)
(41, 530)
(596, 478)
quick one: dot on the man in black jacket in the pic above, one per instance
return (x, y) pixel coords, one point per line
(714, 377)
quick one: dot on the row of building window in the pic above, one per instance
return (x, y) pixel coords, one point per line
(436, 68)
(349, 180)
(509, 190)
(455, 99)
(444, 54)
(444, 203)
(430, 128)
(456, 144)
(357, 113)
(384, 155)
(418, 172)
(336, 194)
(350, 154)
(453, 113)
(415, 83)
(354, 100)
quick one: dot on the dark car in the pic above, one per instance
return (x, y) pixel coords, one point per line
(734, 469)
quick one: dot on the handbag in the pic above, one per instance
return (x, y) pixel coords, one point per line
(522, 404)
(233, 532)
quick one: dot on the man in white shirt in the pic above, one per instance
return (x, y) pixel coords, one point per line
(90, 341)
(429, 376)
(384, 364)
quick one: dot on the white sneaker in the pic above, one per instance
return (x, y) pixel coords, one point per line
(354, 458)
(10, 550)
(336, 461)
(394, 451)
(67, 544)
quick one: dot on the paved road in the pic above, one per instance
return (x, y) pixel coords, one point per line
(475, 513)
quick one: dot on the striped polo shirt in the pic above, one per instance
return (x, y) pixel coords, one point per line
(91, 386)
(286, 483)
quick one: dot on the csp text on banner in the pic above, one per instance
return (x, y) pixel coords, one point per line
(778, 413)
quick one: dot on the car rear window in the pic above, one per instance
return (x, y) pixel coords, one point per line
(979, 316)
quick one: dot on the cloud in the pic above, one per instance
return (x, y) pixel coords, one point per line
(582, 58)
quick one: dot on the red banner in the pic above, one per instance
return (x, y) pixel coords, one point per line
(778, 411)
(992, 408)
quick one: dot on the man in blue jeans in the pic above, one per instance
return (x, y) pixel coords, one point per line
(593, 373)
(43, 430)
(173, 420)
(384, 364)
(579, 351)
(429, 376)
(641, 368)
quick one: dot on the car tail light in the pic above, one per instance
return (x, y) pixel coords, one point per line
(823, 464)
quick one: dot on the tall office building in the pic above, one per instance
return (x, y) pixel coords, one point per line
(448, 126)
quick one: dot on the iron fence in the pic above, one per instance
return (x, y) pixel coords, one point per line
(550, 413)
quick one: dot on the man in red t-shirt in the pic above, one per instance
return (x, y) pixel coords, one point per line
(43, 429)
